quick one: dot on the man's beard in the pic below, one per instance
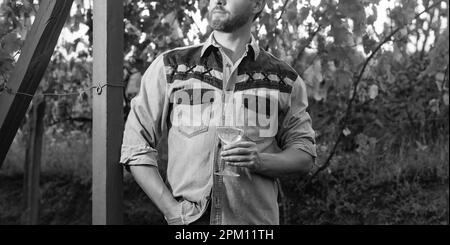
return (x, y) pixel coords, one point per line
(228, 24)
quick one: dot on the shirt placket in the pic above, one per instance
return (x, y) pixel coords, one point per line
(218, 193)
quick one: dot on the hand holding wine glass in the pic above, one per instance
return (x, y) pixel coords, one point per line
(229, 135)
(242, 154)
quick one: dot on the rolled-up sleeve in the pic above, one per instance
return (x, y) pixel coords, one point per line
(296, 130)
(144, 125)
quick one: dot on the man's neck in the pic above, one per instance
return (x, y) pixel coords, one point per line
(234, 43)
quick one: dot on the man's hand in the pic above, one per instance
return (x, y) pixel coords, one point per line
(242, 154)
(151, 182)
(174, 211)
(245, 154)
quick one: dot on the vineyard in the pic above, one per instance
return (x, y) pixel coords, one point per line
(377, 79)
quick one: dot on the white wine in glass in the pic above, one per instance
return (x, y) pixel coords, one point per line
(229, 135)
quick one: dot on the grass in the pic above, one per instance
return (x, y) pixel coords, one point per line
(65, 185)
(409, 186)
(406, 187)
(68, 154)
(66, 200)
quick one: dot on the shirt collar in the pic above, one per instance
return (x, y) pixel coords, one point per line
(211, 42)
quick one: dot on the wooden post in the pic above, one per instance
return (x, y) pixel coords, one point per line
(32, 166)
(447, 206)
(107, 113)
(27, 74)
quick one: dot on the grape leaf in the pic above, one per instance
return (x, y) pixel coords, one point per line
(354, 10)
(439, 55)
(373, 91)
(341, 35)
(6, 62)
(304, 13)
(291, 12)
(372, 18)
(346, 132)
(369, 44)
(343, 78)
(10, 43)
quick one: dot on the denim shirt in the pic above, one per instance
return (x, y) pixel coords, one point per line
(183, 95)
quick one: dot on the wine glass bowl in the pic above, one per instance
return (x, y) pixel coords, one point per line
(229, 135)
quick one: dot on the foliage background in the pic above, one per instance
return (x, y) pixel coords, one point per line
(391, 163)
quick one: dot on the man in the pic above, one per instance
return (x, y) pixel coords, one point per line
(183, 94)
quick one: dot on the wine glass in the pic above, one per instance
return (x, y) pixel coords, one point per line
(228, 135)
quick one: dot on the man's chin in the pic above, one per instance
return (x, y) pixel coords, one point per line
(217, 26)
(221, 29)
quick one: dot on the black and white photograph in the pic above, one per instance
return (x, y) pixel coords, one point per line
(242, 114)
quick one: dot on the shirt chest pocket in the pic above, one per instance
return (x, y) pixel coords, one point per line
(191, 115)
(260, 114)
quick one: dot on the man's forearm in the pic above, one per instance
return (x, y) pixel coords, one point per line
(150, 181)
(286, 162)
